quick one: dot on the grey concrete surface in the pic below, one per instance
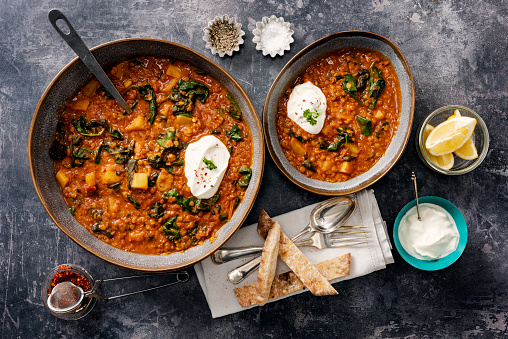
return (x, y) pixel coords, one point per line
(457, 54)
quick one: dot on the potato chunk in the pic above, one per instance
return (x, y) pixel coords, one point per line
(137, 124)
(164, 108)
(346, 167)
(80, 105)
(136, 235)
(298, 147)
(62, 178)
(353, 149)
(91, 87)
(90, 179)
(174, 72)
(140, 181)
(169, 87)
(114, 204)
(119, 70)
(379, 115)
(110, 177)
(183, 120)
(327, 164)
(164, 181)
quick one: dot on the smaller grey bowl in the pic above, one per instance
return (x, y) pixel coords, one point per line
(302, 60)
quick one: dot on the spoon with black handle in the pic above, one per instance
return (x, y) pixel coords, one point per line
(78, 46)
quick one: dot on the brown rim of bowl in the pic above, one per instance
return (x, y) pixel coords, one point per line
(292, 61)
(77, 241)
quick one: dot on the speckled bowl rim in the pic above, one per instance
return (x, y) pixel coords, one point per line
(439, 264)
(303, 59)
(37, 148)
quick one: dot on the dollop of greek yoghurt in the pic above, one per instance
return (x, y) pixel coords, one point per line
(307, 107)
(206, 161)
(433, 237)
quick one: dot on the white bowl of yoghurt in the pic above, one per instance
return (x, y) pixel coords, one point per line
(434, 242)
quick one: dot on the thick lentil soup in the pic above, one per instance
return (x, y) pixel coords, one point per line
(123, 176)
(338, 117)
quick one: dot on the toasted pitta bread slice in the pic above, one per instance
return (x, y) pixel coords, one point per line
(268, 264)
(289, 282)
(303, 268)
(296, 261)
(264, 224)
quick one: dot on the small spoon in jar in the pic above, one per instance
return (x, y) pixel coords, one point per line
(413, 177)
(78, 46)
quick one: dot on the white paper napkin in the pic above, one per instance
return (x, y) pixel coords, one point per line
(365, 258)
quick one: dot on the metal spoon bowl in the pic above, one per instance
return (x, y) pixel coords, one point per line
(66, 297)
(331, 214)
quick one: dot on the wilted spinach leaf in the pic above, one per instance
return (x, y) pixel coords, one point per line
(323, 143)
(377, 85)
(170, 140)
(152, 179)
(343, 137)
(156, 211)
(349, 86)
(96, 229)
(234, 133)
(148, 94)
(184, 95)
(365, 125)
(78, 155)
(309, 165)
(245, 180)
(106, 92)
(170, 229)
(132, 199)
(234, 110)
(191, 204)
(121, 154)
(132, 167)
(363, 79)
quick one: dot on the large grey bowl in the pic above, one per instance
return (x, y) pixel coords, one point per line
(302, 60)
(73, 77)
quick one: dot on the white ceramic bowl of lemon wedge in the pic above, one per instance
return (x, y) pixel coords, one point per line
(452, 140)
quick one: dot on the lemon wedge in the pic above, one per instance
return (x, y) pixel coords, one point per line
(468, 150)
(455, 114)
(444, 161)
(450, 135)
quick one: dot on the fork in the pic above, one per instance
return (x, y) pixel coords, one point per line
(318, 240)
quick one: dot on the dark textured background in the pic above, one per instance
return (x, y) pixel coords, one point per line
(457, 52)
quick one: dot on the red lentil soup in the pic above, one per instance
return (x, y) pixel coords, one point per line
(122, 175)
(363, 110)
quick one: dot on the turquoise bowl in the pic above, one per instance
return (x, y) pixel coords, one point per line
(433, 265)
